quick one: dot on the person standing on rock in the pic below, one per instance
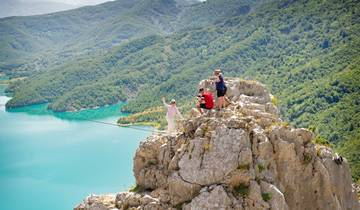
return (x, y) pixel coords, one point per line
(172, 112)
(220, 89)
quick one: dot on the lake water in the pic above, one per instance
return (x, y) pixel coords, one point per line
(51, 161)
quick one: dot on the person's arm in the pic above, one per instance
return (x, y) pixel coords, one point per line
(212, 79)
(221, 78)
(165, 104)
(178, 113)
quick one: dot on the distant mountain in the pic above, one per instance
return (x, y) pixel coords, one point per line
(306, 52)
(32, 44)
(23, 8)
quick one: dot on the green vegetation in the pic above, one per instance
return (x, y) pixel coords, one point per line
(322, 141)
(266, 196)
(151, 162)
(145, 118)
(244, 166)
(306, 52)
(274, 100)
(261, 167)
(307, 158)
(350, 148)
(136, 188)
(242, 190)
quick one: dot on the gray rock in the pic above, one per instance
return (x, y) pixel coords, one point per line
(276, 197)
(208, 164)
(181, 191)
(242, 158)
(215, 199)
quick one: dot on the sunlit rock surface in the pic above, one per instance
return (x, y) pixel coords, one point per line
(243, 157)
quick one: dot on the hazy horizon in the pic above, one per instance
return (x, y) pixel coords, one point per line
(38, 7)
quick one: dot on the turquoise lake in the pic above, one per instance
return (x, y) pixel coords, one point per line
(51, 161)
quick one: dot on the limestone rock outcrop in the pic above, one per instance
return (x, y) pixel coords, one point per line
(243, 158)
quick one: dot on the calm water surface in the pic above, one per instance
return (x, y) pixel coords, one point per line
(51, 161)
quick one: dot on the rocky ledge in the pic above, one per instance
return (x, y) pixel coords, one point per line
(244, 157)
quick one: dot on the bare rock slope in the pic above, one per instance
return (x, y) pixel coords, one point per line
(244, 157)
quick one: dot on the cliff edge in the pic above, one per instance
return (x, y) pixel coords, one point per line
(244, 157)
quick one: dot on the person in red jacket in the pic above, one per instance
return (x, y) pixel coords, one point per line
(205, 100)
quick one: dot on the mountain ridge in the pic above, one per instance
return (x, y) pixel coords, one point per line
(108, 24)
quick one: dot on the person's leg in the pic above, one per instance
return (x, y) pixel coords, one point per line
(194, 112)
(201, 107)
(227, 100)
(198, 106)
(168, 123)
(171, 124)
(220, 102)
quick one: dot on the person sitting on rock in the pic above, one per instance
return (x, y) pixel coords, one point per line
(172, 112)
(205, 100)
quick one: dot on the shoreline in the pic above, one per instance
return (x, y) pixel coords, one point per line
(68, 111)
(4, 82)
(151, 124)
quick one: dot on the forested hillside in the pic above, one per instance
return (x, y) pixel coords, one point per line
(306, 52)
(35, 44)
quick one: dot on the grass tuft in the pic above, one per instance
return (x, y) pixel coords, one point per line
(136, 188)
(244, 166)
(242, 190)
(266, 196)
(261, 167)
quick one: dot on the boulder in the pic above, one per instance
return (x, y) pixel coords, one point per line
(180, 190)
(97, 202)
(213, 198)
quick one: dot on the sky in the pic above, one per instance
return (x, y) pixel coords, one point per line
(72, 2)
(35, 7)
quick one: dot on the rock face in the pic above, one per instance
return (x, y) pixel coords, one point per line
(243, 157)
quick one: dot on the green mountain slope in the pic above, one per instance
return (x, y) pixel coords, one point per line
(35, 44)
(27, 42)
(306, 52)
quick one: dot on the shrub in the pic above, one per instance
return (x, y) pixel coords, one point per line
(266, 196)
(242, 190)
(322, 141)
(152, 162)
(207, 146)
(274, 100)
(136, 188)
(261, 167)
(312, 128)
(307, 158)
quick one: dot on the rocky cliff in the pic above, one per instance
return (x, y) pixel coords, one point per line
(243, 157)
